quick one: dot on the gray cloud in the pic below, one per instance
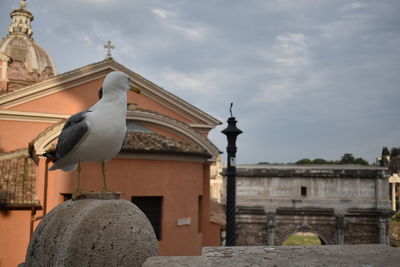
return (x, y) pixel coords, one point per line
(308, 78)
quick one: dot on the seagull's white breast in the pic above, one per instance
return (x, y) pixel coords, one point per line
(107, 130)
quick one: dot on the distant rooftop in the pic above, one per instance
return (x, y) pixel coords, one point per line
(310, 166)
(311, 171)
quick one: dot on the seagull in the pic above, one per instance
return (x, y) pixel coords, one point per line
(96, 134)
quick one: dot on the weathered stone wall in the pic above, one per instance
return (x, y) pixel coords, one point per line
(355, 227)
(251, 234)
(361, 232)
(356, 255)
(323, 226)
(251, 224)
(336, 187)
(342, 205)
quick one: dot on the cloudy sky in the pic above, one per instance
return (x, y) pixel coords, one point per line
(308, 78)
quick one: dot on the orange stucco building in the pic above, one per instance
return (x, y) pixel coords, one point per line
(163, 167)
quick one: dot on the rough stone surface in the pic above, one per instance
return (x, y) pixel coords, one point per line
(347, 255)
(344, 204)
(93, 232)
(335, 255)
(96, 195)
(394, 234)
(251, 234)
(332, 187)
(177, 261)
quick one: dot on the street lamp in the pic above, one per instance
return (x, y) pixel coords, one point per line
(231, 133)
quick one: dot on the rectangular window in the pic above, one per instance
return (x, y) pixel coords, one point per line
(152, 208)
(66, 196)
(303, 191)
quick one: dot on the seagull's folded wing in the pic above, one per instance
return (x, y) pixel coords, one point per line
(73, 131)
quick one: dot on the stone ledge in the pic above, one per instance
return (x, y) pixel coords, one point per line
(312, 256)
(96, 195)
(177, 261)
(311, 171)
(310, 211)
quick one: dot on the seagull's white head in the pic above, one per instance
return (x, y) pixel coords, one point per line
(118, 82)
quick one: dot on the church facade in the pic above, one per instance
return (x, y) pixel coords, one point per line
(163, 167)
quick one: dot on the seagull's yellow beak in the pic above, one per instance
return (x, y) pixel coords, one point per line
(133, 87)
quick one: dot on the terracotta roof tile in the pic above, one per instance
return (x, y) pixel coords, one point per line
(152, 142)
(17, 180)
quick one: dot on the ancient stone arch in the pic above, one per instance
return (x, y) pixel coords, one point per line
(343, 205)
(357, 226)
(304, 228)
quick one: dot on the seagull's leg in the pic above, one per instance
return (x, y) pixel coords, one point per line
(78, 170)
(103, 169)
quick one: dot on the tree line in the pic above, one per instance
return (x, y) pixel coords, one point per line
(347, 158)
(389, 158)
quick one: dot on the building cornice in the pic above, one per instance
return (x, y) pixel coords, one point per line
(27, 116)
(53, 85)
(159, 156)
(314, 171)
(95, 71)
(4, 57)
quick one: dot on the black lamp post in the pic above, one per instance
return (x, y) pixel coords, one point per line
(231, 133)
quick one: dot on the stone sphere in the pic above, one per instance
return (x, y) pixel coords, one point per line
(93, 232)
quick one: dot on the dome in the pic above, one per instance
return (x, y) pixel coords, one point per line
(24, 50)
(26, 62)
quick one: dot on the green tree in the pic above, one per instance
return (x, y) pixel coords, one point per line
(385, 152)
(347, 158)
(394, 152)
(385, 155)
(394, 164)
(361, 161)
(320, 161)
(304, 161)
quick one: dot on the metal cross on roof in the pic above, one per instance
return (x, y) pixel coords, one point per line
(109, 46)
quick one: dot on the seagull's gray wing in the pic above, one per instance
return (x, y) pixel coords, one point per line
(72, 132)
